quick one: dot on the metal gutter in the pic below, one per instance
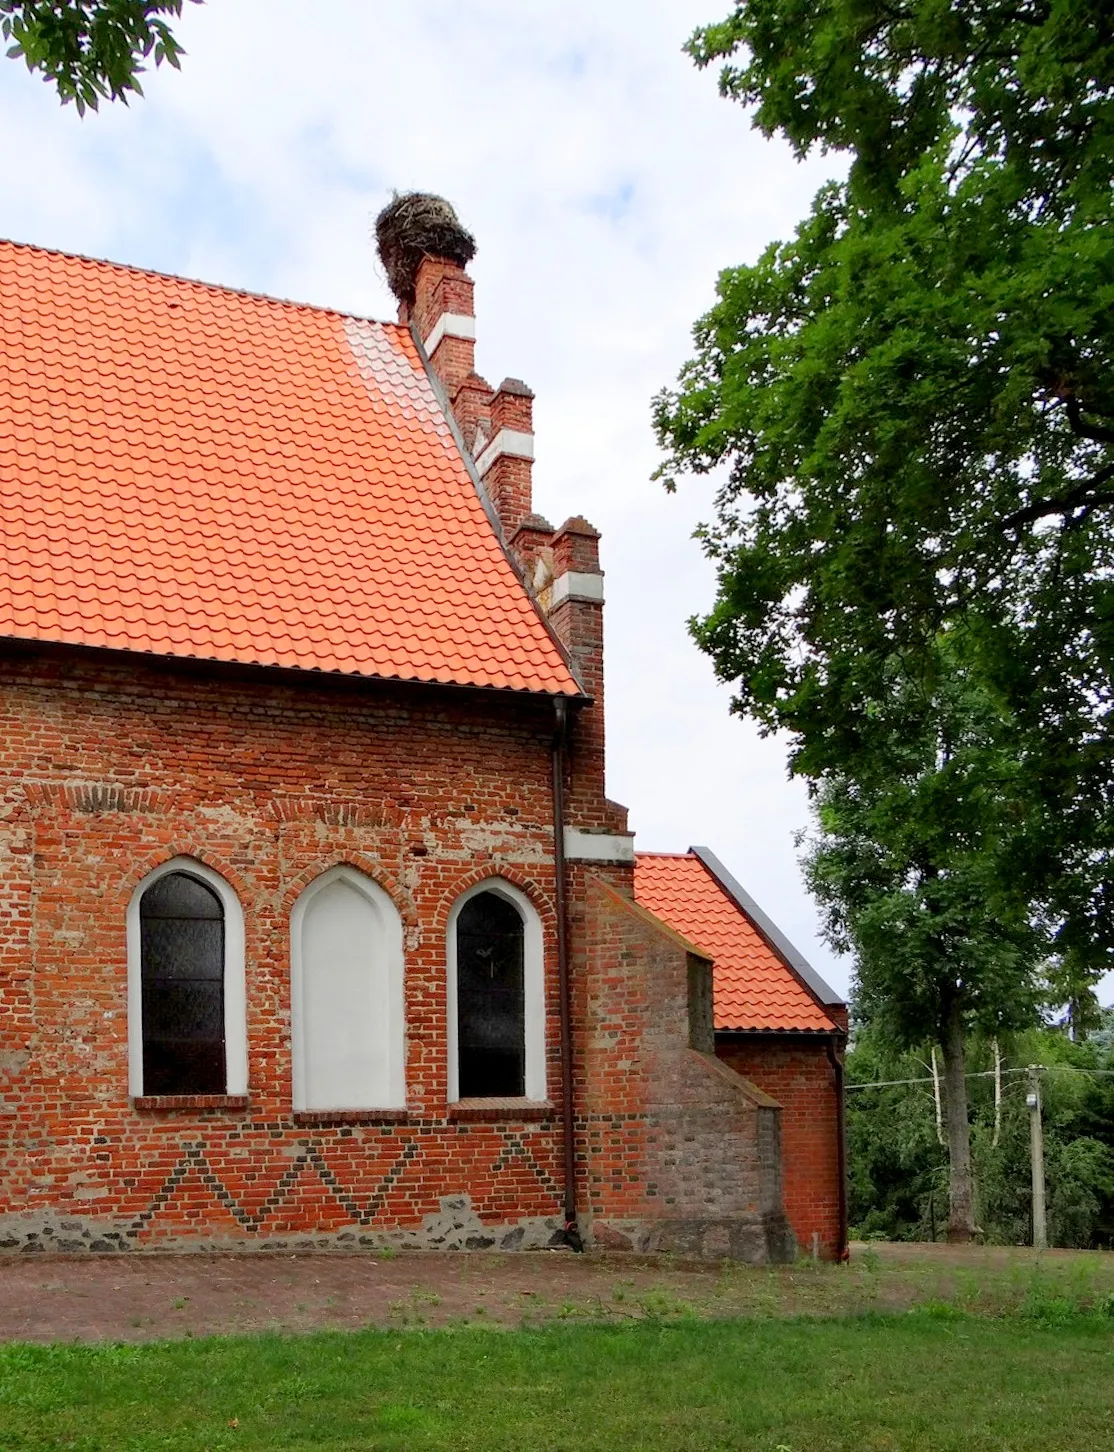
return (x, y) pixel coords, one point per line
(568, 1127)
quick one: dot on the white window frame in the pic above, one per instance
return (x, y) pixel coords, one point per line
(235, 991)
(396, 996)
(533, 945)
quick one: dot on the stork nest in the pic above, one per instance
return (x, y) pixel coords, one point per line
(414, 225)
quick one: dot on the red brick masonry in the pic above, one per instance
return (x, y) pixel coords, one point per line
(111, 770)
(796, 1071)
(111, 767)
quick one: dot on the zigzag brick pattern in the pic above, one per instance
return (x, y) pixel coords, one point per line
(273, 1200)
(193, 471)
(753, 988)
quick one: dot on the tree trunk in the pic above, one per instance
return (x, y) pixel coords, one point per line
(961, 1200)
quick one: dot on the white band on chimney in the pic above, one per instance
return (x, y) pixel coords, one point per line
(598, 846)
(509, 442)
(450, 325)
(573, 585)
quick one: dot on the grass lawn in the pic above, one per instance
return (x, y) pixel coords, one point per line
(933, 1378)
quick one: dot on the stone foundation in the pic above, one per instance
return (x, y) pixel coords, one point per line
(755, 1239)
(456, 1226)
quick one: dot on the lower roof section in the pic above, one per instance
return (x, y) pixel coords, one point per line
(757, 985)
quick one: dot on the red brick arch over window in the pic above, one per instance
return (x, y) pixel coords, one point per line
(233, 971)
(371, 867)
(537, 941)
(139, 868)
(541, 902)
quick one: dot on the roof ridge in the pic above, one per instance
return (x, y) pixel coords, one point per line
(199, 282)
(681, 856)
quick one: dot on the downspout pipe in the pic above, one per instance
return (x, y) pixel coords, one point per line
(572, 1232)
(833, 1044)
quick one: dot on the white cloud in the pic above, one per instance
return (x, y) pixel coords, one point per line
(606, 183)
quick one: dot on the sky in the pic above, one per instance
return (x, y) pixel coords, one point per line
(606, 183)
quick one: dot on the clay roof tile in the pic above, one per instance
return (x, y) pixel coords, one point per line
(754, 988)
(192, 471)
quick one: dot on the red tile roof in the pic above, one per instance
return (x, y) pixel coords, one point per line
(754, 987)
(192, 471)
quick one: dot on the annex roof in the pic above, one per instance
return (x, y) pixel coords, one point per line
(757, 986)
(196, 472)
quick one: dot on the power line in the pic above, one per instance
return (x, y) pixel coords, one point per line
(890, 1083)
(1075, 1069)
(981, 1074)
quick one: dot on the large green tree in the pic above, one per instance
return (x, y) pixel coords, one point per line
(91, 50)
(912, 864)
(910, 409)
(911, 402)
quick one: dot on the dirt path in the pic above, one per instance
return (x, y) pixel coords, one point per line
(145, 1297)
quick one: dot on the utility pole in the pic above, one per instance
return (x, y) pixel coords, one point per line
(1036, 1155)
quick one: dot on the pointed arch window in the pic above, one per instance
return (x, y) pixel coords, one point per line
(186, 1005)
(181, 925)
(496, 996)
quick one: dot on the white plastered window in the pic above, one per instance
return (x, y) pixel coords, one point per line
(495, 995)
(234, 1079)
(348, 1023)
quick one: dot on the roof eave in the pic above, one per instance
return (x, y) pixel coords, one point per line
(221, 665)
(778, 1033)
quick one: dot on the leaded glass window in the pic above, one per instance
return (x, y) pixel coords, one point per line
(182, 955)
(491, 1001)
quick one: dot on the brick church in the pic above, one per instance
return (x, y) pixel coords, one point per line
(317, 928)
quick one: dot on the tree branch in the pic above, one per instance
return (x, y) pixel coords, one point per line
(1086, 496)
(1097, 433)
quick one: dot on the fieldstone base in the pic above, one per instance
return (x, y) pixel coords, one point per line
(455, 1226)
(756, 1239)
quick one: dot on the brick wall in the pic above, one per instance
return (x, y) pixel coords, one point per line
(110, 770)
(111, 766)
(795, 1071)
(692, 1162)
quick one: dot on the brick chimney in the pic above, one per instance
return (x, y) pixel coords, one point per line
(424, 251)
(574, 604)
(497, 424)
